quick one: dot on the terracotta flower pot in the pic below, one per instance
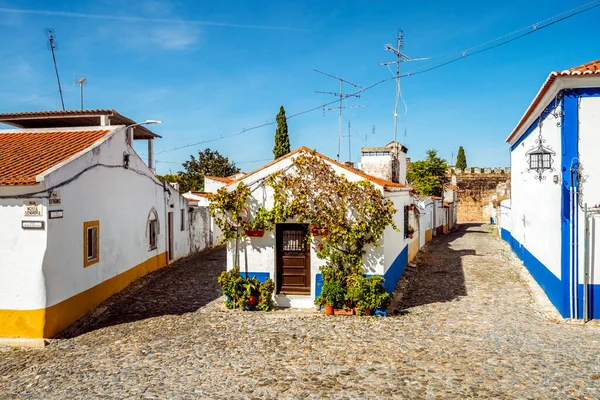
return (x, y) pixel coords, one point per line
(328, 310)
(253, 301)
(367, 311)
(255, 232)
(410, 235)
(341, 311)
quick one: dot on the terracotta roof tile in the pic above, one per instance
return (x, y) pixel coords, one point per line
(382, 182)
(23, 155)
(591, 68)
(220, 179)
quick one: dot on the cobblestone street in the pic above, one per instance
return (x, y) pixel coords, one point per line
(466, 326)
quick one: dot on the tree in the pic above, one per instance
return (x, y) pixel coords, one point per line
(282, 140)
(208, 163)
(461, 160)
(428, 176)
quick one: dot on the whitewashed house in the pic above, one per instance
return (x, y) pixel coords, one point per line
(555, 174)
(82, 216)
(262, 256)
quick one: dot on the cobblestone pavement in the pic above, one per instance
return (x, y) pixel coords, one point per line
(466, 327)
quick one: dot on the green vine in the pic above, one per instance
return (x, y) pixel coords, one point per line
(354, 215)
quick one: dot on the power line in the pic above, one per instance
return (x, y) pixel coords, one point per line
(461, 55)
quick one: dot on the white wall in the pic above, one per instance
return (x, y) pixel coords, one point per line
(425, 219)
(121, 200)
(589, 144)
(505, 215)
(199, 229)
(22, 285)
(212, 185)
(258, 254)
(536, 205)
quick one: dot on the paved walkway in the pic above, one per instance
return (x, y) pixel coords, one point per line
(467, 327)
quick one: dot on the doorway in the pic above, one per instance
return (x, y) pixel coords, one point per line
(293, 259)
(170, 236)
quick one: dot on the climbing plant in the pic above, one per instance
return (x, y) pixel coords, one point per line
(352, 215)
(226, 208)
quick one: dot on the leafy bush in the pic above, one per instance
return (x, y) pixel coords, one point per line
(332, 294)
(265, 301)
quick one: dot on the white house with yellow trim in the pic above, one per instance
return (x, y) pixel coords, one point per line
(82, 217)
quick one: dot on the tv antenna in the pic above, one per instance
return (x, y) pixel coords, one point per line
(52, 41)
(82, 81)
(401, 57)
(342, 96)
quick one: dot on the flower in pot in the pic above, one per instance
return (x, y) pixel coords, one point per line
(333, 295)
(252, 287)
(410, 231)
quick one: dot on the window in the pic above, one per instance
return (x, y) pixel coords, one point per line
(152, 229)
(293, 240)
(91, 243)
(152, 234)
(540, 161)
(182, 219)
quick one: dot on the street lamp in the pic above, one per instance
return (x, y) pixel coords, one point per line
(129, 131)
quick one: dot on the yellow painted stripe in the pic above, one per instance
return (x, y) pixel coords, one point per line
(428, 236)
(47, 322)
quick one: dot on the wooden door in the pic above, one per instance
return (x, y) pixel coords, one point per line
(170, 236)
(293, 259)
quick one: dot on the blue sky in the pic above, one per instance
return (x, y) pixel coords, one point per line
(209, 69)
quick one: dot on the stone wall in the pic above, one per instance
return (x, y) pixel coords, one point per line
(477, 193)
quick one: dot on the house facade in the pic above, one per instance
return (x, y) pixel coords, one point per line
(550, 220)
(284, 255)
(82, 216)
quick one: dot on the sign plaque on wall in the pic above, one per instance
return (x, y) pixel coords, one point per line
(32, 208)
(52, 214)
(32, 224)
(54, 197)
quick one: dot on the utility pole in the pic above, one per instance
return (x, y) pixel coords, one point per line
(400, 59)
(349, 146)
(342, 96)
(52, 42)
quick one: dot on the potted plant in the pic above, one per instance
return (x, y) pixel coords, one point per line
(332, 296)
(375, 295)
(252, 287)
(411, 207)
(355, 292)
(232, 284)
(410, 231)
(265, 300)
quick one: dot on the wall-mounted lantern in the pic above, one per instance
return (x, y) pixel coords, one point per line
(540, 158)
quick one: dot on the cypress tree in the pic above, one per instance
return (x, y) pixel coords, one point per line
(461, 160)
(282, 140)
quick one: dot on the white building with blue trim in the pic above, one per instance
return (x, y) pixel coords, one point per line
(551, 220)
(284, 255)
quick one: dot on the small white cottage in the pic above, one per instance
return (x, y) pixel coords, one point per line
(82, 216)
(284, 254)
(551, 219)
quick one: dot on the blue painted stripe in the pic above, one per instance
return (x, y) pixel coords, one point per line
(588, 92)
(551, 285)
(261, 276)
(569, 132)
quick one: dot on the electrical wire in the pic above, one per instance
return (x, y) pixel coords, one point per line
(538, 26)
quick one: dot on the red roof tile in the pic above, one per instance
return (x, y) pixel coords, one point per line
(23, 155)
(591, 68)
(220, 179)
(382, 182)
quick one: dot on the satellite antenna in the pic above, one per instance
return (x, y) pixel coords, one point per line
(342, 96)
(82, 81)
(52, 42)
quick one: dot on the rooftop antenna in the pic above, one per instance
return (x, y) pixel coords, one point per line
(400, 59)
(82, 81)
(52, 41)
(342, 96)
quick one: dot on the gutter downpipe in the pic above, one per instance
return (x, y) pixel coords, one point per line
(574, 213)
(586, 267)
(571, 256)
